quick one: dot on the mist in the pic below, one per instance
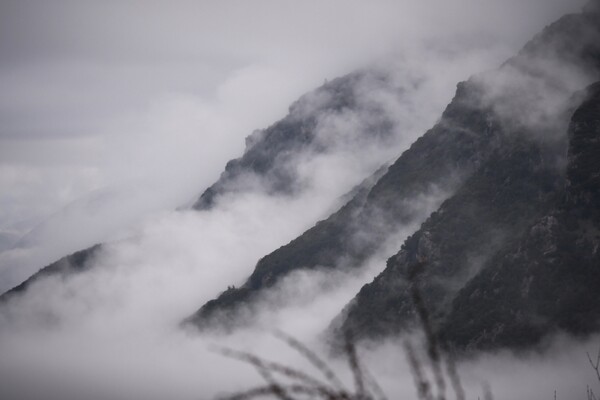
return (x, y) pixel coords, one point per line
(112, 112)
(114, 115)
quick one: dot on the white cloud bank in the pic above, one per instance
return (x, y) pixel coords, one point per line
(113, 111)
(142, 103)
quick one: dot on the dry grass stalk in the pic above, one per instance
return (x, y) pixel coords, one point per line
(596, 367)
(287, 383)
(438, 353)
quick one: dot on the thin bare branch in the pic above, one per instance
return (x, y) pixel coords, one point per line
(284, 383)
(595, 365)
(359, 384)
(453, 374)
(292, 389)
(421, 382)
(315, 360)
(267, 369)
(272, 366)
(378, 392)
(249, 394)
(590, 394)
(431, 338)
(487, 392)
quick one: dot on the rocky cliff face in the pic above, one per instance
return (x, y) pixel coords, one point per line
(512, 255)
(497, 203)
(436, 163)
(271, 158)
(548, 278)
(505, 188)
(272, 155)
(74, 263)
(498, 155)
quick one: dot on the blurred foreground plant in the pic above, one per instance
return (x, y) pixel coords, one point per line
(288, 383)
(596, 366)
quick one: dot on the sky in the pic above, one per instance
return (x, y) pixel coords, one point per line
(111, 111)
(115, 113)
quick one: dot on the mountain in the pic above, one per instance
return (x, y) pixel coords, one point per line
(314, 127)
(547, 279)
(436, 163)
(501, 196)
(497, 157)
(272, 155)
(77, 262)
(513, 255)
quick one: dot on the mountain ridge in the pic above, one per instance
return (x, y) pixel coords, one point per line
(553, 267)
(384, 306)
(325, 243)
(499, 182)
(500, 129)
(471, 127)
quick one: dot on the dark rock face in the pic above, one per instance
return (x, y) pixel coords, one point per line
(271, 154)
(535, 234)
(495, 204)
(438, 161)
(511, 242)
(500, 145)
(583, 190)
(547, 280)
(74, 263)
(518, 186)
(269, 161)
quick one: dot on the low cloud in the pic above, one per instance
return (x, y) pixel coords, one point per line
(101, 97)
(117, 114)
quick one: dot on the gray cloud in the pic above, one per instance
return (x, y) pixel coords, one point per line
(114, 113)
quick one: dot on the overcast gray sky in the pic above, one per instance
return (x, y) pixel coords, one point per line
(111, 110)
(112, 113)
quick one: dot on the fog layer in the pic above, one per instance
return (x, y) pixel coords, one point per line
(115, 114)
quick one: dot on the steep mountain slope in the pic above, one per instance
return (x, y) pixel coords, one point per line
(73, 263)
(547, 280)
(505, 214)
(495, 204)
(501, 267)
(314, 126)
(433, 166)
(499, 142)
(272, 155)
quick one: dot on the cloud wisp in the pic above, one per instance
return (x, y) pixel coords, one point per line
(132, 121)
(102, 99)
